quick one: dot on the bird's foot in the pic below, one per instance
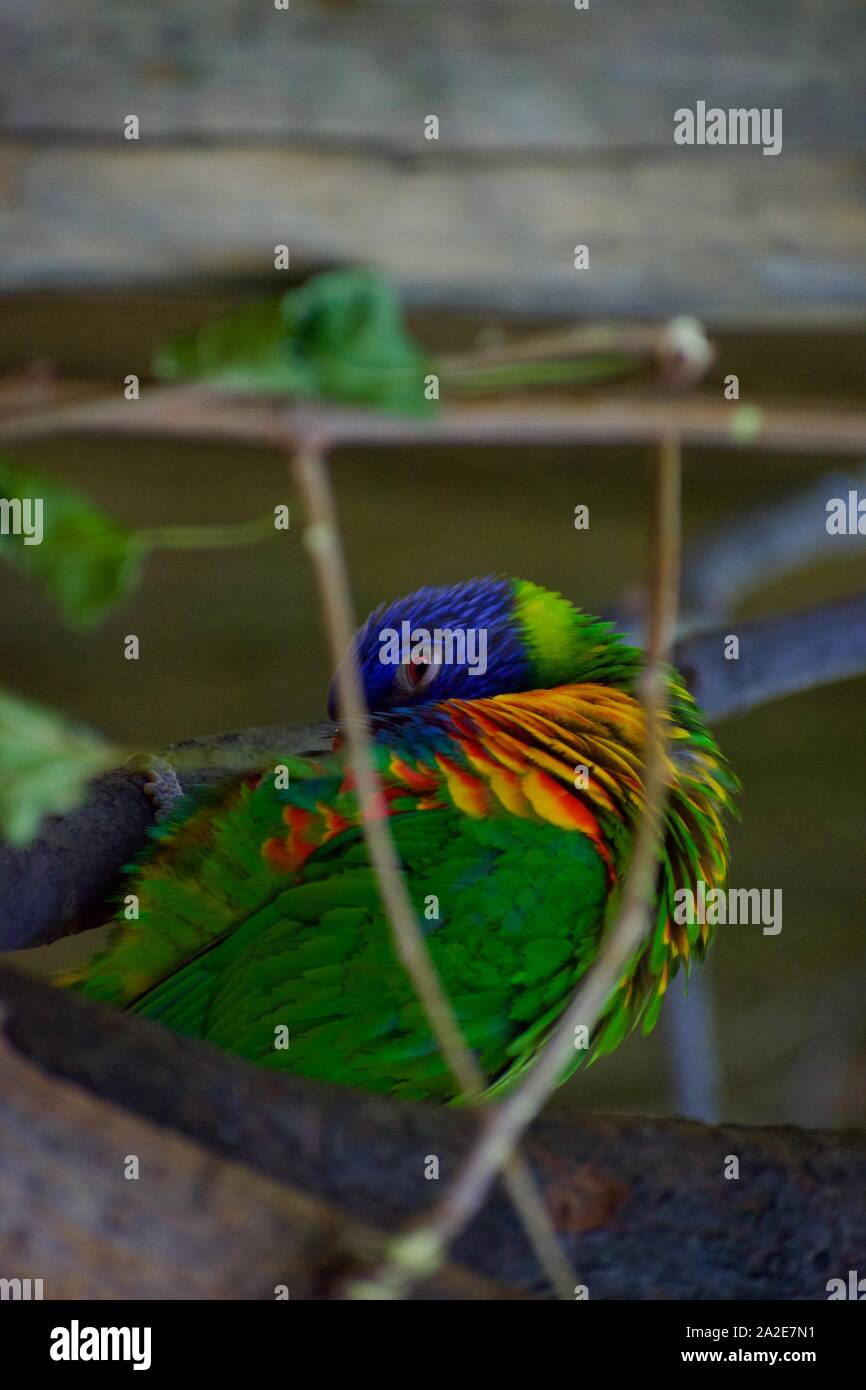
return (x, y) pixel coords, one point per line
(162, 785)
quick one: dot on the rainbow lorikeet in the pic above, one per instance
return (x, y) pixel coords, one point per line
(509, 743)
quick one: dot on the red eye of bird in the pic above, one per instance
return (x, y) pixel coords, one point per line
(414, 676)
(416, 671)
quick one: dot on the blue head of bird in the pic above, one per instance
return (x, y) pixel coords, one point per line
(483, 637)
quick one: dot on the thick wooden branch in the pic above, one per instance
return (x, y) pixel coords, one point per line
(100, 1203)
(642, 1206)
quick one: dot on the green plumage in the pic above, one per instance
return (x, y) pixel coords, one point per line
(520, 909)
(260, 924)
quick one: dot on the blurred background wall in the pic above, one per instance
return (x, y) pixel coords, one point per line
(306, 126)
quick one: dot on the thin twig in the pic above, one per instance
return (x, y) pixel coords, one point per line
(203, 537)
(508, 1123)
(679, 349)
(193, 412)
(323, 541)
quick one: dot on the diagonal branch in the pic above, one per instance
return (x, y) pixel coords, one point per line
(744, 553)
(322, 538)
(778, 656)
(509, 1122)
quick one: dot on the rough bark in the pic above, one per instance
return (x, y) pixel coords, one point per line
(642, 1205)
(188, 1225)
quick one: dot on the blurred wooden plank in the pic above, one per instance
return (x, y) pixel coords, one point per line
(725, 234)
(305, 126)
(500, 74)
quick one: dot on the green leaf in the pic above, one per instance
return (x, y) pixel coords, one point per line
(85, 560)
(45, 765)
(340, 337)
(240, 352)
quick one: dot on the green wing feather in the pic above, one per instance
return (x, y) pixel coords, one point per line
(229, 949)
(260, 917)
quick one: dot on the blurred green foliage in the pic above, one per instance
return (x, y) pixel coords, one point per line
(340, 337)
